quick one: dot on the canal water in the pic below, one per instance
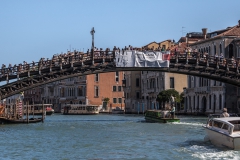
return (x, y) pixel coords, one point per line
(103, 137)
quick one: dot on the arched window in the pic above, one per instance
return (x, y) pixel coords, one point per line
(197, 102)
(220, 101)
(220, 48)
(194, 103)
(210, 101)
(209, 49)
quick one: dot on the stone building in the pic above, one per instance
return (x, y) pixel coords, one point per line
(206, 96)
(132, 92)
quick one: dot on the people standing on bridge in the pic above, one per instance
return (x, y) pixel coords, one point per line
(221, 57)
(216, 56)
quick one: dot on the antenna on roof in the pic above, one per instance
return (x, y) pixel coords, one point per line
(182, 30)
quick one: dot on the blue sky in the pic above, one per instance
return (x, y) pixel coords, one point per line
(31, 29)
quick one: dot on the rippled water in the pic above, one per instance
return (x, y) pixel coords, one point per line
(100, 137)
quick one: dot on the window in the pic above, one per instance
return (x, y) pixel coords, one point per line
(137, 82)
(164, 47)
(210, 101)
(96, 77)
(137, 95)
(220, 101)
(96, 91)
(119, 100)
(217, 124)
(80, 91)
(62, 92)
(114, 100)
(171, 82)
(119, 88)
(117, 76)
(114, 88)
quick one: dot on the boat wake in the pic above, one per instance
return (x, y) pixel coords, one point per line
(189, 124)
(201, 149)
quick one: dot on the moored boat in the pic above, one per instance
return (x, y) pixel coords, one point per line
(161, 116)
(117, 111)
(80, 109)
(223, 131)
(36, 109)
(4, 120)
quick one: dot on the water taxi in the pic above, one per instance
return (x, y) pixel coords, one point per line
(161, 116)
(80, 109)
(223, 131)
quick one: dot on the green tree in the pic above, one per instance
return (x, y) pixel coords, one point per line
(165, 96)
(106, 100)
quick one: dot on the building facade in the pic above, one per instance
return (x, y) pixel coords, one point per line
(206, 96)
(132, 92)
(105, 85)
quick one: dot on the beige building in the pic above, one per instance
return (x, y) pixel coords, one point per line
(142, 87)
(167, 44)
(154, 82)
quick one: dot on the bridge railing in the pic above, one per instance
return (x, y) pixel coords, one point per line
(192, 58)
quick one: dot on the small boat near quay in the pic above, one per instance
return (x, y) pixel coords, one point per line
(117, 111)
(223, 131)
(4, 120)
(80, 109)
(160, 116)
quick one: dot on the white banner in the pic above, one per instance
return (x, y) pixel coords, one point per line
(142, 59)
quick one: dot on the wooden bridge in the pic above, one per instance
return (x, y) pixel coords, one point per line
(30, 75)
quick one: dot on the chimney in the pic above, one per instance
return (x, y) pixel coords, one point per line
(204, 31)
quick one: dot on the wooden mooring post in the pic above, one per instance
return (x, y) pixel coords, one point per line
(43, 111)
(27, 111)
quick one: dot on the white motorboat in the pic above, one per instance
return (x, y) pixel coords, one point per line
(223, 131)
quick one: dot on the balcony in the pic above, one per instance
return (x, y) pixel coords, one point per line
(80, 82)
(202, 90)
(62, 83)
(151, 90)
